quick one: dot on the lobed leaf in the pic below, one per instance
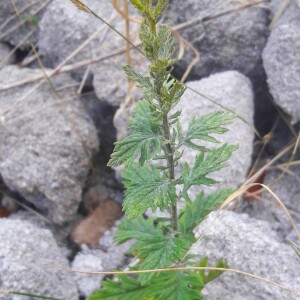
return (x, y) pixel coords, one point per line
(138, 229)
(202, 128)
(177, 285)
(124, 288)
(146, 188)
(143, 81)
(145, 138)
(212, 274)
(207, 163)
(160, 252)
(155, 249)
(194, 212)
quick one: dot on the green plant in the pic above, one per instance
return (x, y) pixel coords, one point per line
(150, 155)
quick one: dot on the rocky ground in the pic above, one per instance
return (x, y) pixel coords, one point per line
(65, 101)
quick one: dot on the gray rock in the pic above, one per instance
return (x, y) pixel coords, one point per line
(292, 236)
(60, 233)
(233, 91)
(275, 6)
(286, 187)
(26, 254)
(251, 246)
(282, 61)
(107, 257)
(64, 28)
(46, 142)
(232, 41)
(5, 57)
(19, 23)
(110, 81)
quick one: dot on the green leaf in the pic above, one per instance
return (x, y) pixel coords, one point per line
(202, 128)
(165, 44)
(146, 188)
(148, 40)
(155, 249)
(213, 274)
(145, 138)
(137, 4)
(177, 285)
(207, 163)
(194, 212)
(160, 252)
(160, 8)
(138, 229)
(171, 92)
(143, 81)
(124, 288)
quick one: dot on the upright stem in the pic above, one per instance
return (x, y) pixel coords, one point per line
(166, 131)
(171, 169)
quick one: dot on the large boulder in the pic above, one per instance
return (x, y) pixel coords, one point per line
(233, 91)
(19, 20)
(46, 140)
(28, 256)
(251, 246)
(282, 63)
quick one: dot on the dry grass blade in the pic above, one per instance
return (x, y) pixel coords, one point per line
(181, 269)
(81, 6)
(279, 13)
(244, 188)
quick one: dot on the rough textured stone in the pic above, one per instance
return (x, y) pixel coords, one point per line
(15, 28)
(25, 253)
(232, 41)
(107, 257)
(233, 91)
(60, 233)
(286, 187)
(5, 57)
(251, 246)
(64, 28)
(282, 61)
(46, 142)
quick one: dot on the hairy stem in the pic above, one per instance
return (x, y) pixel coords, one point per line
(171, 169)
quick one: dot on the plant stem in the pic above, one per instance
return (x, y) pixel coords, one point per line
(171, 169)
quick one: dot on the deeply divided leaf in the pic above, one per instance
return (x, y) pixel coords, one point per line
(177, 285)
(206, 163)
(145, 187)
(155, 248)
(124, 288)
(142, 81)
(161, 252)
(203, 127)
(138, 229)
(194, 212)
(144, 140)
